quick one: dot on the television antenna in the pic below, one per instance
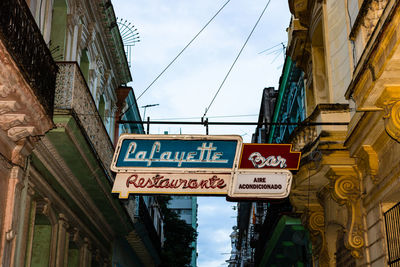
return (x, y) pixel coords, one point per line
(129, 36)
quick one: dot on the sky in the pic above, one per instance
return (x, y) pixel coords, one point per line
(188, 86)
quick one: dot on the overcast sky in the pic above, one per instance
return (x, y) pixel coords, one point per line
(189, 85)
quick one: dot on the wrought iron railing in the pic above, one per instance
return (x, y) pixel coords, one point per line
(392, 223)
(24, 41)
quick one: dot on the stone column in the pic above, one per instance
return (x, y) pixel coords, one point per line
(11, 215)
(62, 241)
(23, 228)
(85, 254)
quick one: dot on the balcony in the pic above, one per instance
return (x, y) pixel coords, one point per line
(73, 97)
(23, 40)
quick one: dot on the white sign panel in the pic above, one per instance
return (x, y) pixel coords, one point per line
(264, 184)
(185, 184)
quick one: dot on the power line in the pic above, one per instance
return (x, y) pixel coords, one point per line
(226, 116)
(237, 57)
(187, 118)
(205, 123)
(159, 75)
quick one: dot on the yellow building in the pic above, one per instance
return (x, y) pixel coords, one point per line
(348, 185)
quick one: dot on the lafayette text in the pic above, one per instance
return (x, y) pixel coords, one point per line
(161, 182)
(206, 153)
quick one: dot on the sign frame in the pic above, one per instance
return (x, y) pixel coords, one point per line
(158, 170)
(232, 195)
(123, 181)
(285, 148)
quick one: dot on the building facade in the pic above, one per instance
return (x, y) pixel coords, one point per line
(346, 189)
(270, 233)
(63, 87)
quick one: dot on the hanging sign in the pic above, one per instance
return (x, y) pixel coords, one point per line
(175, 164)
(269, 156)
(186, 184)
(262, 184)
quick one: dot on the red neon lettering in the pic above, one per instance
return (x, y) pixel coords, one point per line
(162, 182)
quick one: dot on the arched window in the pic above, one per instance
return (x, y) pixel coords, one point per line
(42, 232)
(84, 64)
(102, 107)
(58, 29)
(73, 255)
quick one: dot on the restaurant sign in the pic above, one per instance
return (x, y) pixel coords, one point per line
(202, 165)
(169, 164)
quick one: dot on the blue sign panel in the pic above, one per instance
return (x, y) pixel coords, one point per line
(173, 153)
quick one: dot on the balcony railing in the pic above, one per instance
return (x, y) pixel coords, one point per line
(392, 223)
(24, 42)
(73, 94)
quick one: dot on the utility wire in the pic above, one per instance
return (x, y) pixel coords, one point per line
(304, 123)
(237, 57)
(226, 116)
(187, 118)
(162, 72)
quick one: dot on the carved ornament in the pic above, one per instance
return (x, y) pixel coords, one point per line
(63, 221)
(390, 101)
(315, 223)
(21, 113)
(372, 162)
(345, 190)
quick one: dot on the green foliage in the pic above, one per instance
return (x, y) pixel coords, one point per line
(177, 250)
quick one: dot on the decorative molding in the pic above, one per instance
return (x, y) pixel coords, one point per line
(17, 133)
(374, 12)
(390, 101)
(368, 17)
(62, 220)
(372, 162)
(42, 188)
(8, 106)
(345, 190)
(8, 121)
(314, 220)
(303, 137)
(22, 114)
(74, 236)
(52, 160)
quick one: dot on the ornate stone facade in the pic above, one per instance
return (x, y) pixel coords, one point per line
(56, 206)
(357, 173)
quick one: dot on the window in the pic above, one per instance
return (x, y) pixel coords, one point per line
(102, 107)
(84, 64)
(41, 241)
(58, 29)
(392, 225)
